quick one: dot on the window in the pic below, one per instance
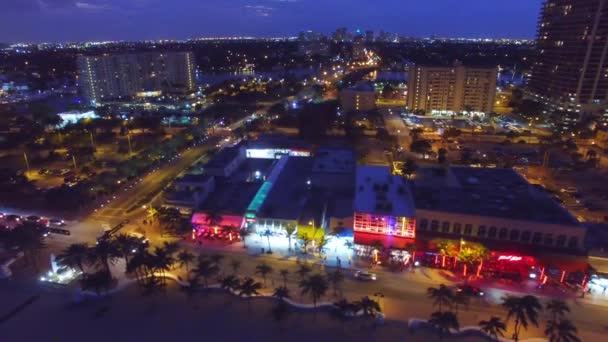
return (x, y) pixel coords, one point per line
(424, 224)
(514, 235)
(536, 238)
(573, 242)
(502, 234)
(457, 228)
(468, 229)
(492, 232)
(525, 236)
(548, 239)
(445, 227)
(434, 225)
(561, 241)
(481, 231)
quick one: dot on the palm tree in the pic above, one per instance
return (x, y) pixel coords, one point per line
(28, 238)
(162, 261)
(494, 327)
(315, 286)
(460, 299)
(444, 322)
(230, 282)
(125, 245)
(289, 230)
(281, 293)
(267, 233)
(206, 269)
(561, 331)
(557, 308)
(104, 253)
(217, 259)
(213, 218)
(99, 282)
(321, 243)
(284, 274)
(525, 309)
(303, 271)
(152, 214)
(408, 168)
(249, 288)
(185, 258)
(335, 278)
(441, 295)
(235, 264)
(74, 256)
(369, 306)
(263, 270)
(170, 218)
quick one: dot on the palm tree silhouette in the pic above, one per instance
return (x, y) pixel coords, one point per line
(525, 310)
(74, 256)
(444, 322)
(230, 283)
(303, 271)
(185, 258)
(281, 293)
(235, 264)
(315, 286)
(557, 308)
(249, 288)
(441, 295)
(494, 327)
(263, 270)
(284, 274)
(336, 278)
(104, 253)
(125, 245)
(206, 269)
(561, 331)
(369, 306)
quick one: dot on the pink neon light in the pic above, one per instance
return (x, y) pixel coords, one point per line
(509, 258)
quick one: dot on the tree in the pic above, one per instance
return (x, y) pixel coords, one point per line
(125, 244)
(281, 293)
(421, 146)
(213, 218)
(206, 269)
(104, 253)
(336, 277)
(493, 327)
(557, 308)
(451, 132)
(230, 283)
(441, 295)
(524, 309)
(74, 256)
(561, 331)
(267, 233)
(185, 258)
(284, 274)
(321, 243)
(28, 238)
(408, 168)
(249, 288)
(235, 264)
(263, 270)
(315, 286)
(369, 306)
(441, 155)
(444, 322)
(99, 282)
(304, 239)
(303, 271)
(243, 233)
(289, 230)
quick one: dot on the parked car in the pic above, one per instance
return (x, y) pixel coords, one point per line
(56, 222)
(365, 275)
(13, 218)
(470, 291)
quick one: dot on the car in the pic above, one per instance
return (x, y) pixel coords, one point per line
(365, 275)
(13, 218)
(469, 290)
(54, 222)
(141, 237)
(569, 190)
(33, 218)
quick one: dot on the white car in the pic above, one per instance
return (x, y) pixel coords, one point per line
(365, 275)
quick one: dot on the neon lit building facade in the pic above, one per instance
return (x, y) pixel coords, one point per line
(384, 209)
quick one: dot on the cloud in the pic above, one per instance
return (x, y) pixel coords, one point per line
(260, 10)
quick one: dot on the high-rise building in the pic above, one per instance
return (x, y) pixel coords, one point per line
(140, 74)
(341, 34)
(570, 72)
(369, 36)
(450, 90)
(360, 98)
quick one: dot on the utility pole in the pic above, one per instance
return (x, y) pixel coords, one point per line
(129, 140)
(74, 162)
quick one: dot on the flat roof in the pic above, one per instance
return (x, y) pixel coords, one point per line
(278, 141)
(224, 156)
(231, 198)
(288, 196)
(380, 192)
(334, 160)
(492, 192)
(193, 178)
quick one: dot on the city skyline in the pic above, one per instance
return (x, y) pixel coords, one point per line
(71, 20)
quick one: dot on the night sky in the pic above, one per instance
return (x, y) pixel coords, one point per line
(78, 20)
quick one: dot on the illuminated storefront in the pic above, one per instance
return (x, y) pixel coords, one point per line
(391, 231)
(275, 153)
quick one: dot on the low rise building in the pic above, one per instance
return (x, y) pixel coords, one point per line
(190, 191)
(226, 161)
(360, 98)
